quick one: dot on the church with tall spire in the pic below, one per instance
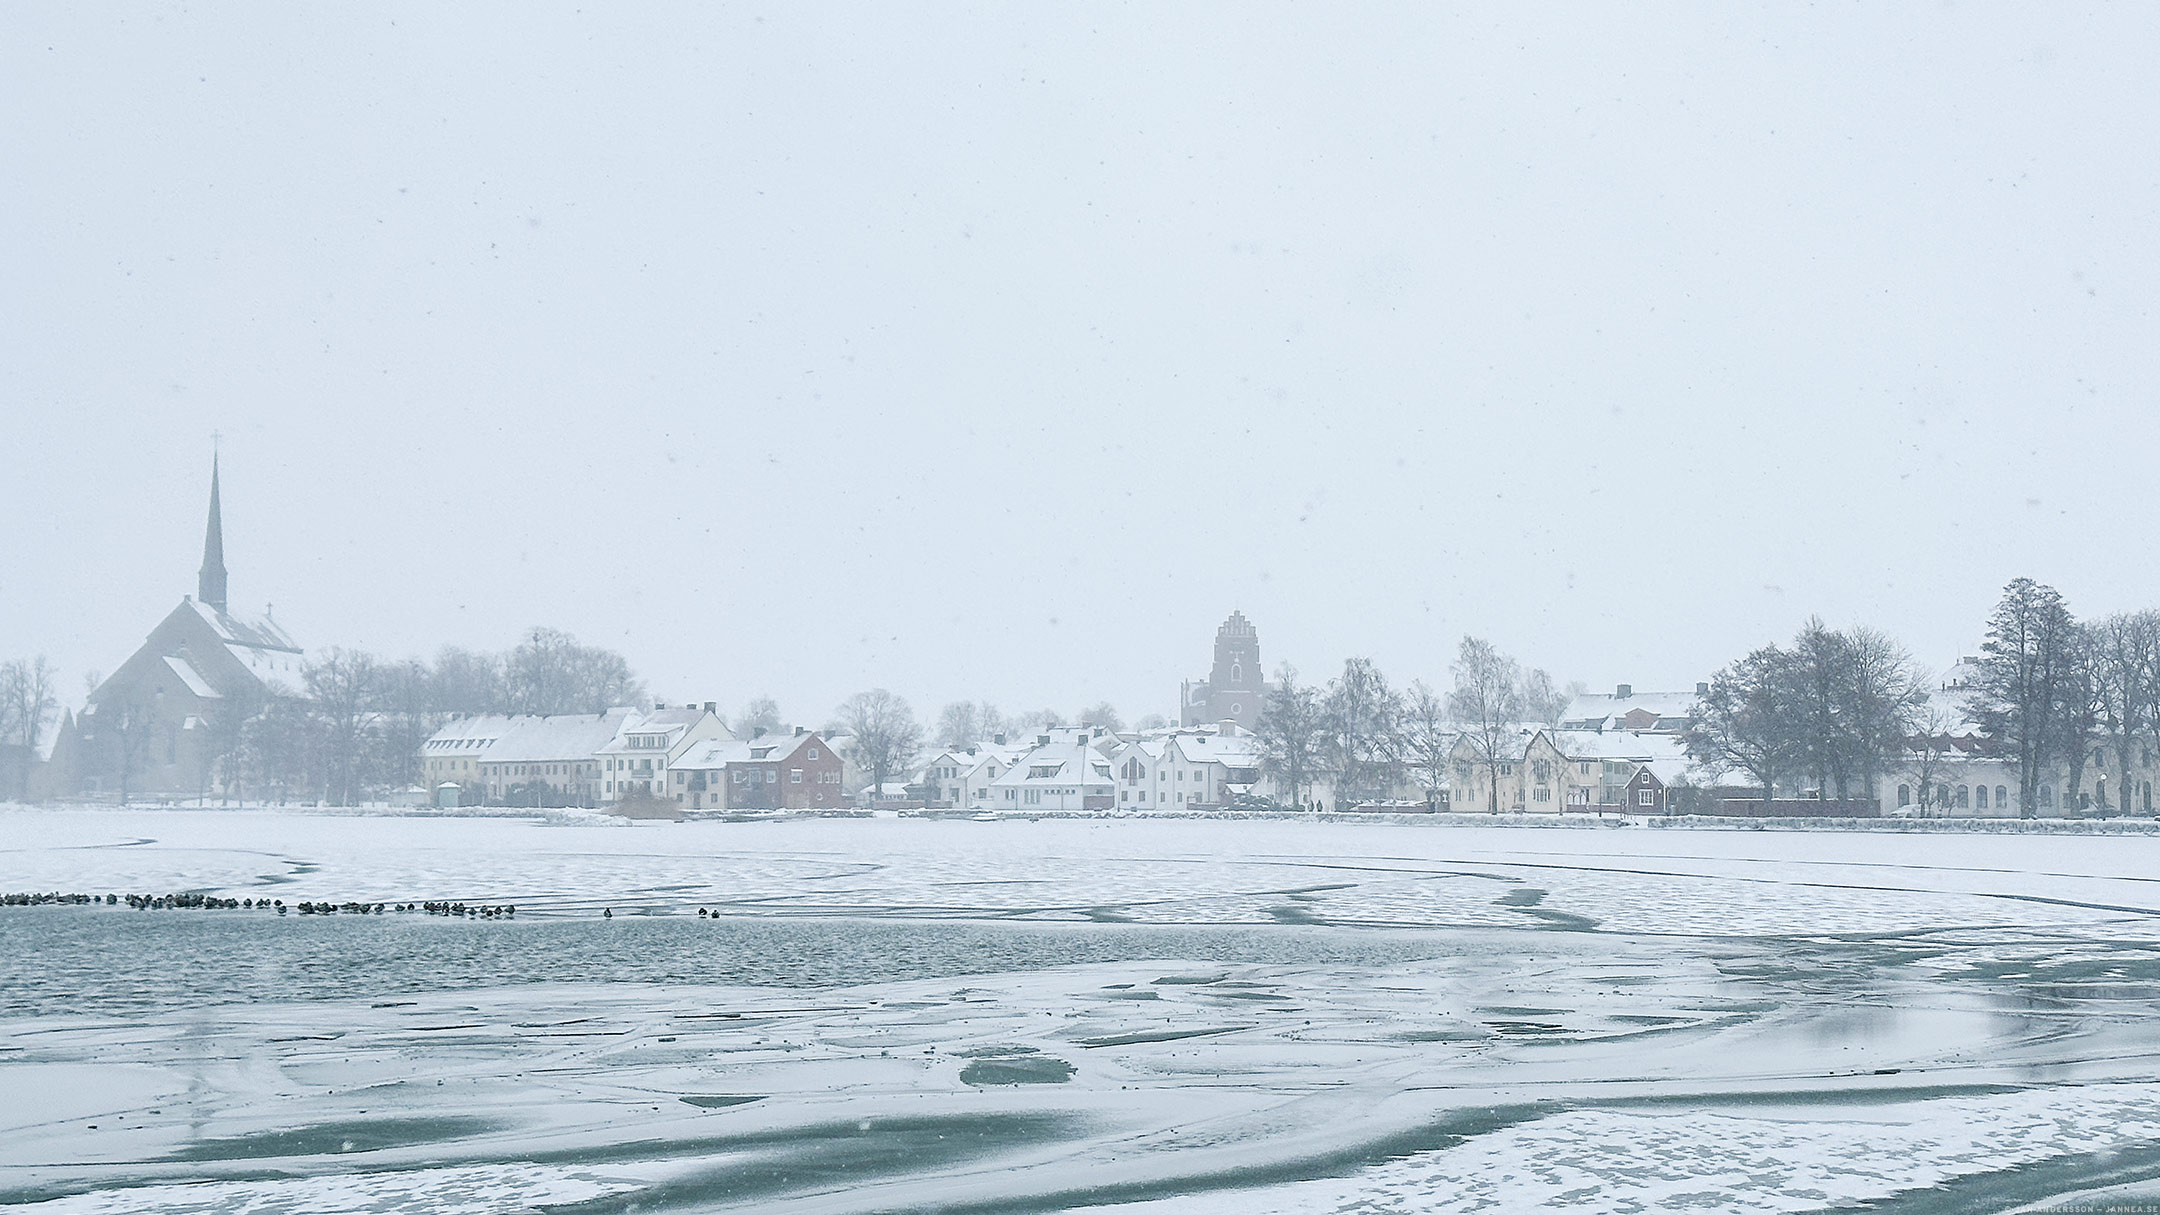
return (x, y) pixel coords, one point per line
(210, 583)
(166, 723)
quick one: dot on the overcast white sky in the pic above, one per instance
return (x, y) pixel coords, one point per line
(800, 349)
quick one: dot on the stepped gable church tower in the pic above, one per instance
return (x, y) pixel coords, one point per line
(162, 724)
(1234, 690)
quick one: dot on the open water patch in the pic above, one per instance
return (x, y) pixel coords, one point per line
(70, 961)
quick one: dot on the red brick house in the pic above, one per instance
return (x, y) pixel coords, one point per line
(770, 772)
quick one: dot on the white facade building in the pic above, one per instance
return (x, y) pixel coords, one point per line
(1069, 771)
(639, 757)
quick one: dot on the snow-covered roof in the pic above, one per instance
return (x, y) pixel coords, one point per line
(1072, 762)
(192, 679)
(1237, 751)
(468, 735)
(1512, 745)
(1668, 771)
(1617, 744)
(567, 737)
(765, 748)
(671, 724)
(264, 634)
(1591, 709)
(50, 728)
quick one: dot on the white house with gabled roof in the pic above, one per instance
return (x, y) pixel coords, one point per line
(961, 776)
(1065, 770)
(638, 758)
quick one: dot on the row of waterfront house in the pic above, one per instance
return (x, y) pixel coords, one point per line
(169, 721)
(687, 757)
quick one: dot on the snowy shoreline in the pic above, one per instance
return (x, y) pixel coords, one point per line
(2124, 825)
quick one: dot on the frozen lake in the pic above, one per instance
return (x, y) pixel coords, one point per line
(1133, 1016)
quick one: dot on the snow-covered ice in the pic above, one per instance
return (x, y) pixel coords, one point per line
(1143, 1015)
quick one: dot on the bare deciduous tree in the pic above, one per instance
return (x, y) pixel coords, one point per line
(1927, 755)
(760, 716)
(1744, 722)
(1290, 732)
(342, 689)
(1428, 737)
(2027, 676)
(27, 694)
(886, 735)
(1543, 702)
(1039, 719)
(466, 681)
(1103, 715)
(1363, 742)
(1487, 704)
(549, 672)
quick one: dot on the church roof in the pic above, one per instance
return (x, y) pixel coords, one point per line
(262, 634)
(191, 679)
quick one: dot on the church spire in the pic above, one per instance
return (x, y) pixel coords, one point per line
(210, 584)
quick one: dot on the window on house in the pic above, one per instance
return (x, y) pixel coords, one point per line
(2045, 795)
(1980, 798)
(795, 776)
(1964, 797)
(1645, 797)
(2002, 797)
(1904, 795)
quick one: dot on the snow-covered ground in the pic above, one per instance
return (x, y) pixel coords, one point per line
(1143, 1016)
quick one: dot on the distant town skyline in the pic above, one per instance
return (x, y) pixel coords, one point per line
(1002, 356)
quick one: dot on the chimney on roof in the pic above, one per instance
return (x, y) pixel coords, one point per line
(711, 705)
(1042, 740)
(1702, 689)
(1625, 690)
(800, 731)
(997, 740)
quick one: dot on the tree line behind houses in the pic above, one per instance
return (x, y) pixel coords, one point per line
(1827, 715)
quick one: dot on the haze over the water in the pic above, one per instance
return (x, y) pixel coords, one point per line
(1002, 355)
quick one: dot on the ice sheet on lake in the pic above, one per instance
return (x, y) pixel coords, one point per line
(1156, 871)
(1605, 1020)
